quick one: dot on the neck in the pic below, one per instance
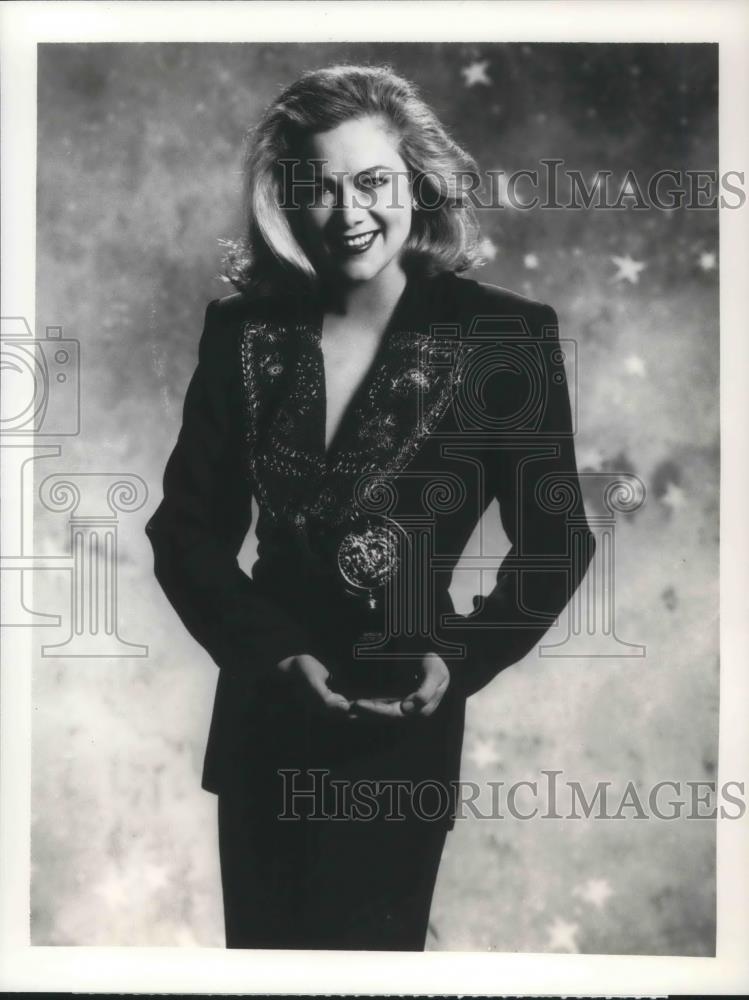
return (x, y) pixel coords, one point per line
(373, 301)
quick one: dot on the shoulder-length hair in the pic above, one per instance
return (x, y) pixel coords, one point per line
(444, 235)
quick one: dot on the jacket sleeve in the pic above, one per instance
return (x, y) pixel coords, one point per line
(198, 529)
(531, 471)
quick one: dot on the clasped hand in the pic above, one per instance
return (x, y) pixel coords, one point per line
(311, 678)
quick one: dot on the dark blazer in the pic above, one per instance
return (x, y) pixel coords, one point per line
(467, 400)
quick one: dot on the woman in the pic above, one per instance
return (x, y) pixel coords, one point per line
(374, 404)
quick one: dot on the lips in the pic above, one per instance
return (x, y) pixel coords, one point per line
(357, 244)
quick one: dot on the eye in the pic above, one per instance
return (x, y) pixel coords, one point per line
(323, 192)
(371, 180)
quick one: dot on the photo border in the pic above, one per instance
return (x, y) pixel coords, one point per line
(196, 970)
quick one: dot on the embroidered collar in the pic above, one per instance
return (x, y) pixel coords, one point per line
(405, 393)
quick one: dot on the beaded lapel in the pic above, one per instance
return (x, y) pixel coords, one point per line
(404, 395)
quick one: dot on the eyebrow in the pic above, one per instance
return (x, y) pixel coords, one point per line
(369, 170)
(377, 166)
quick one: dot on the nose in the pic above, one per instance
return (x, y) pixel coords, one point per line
(351, 206)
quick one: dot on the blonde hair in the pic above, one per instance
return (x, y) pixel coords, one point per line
(444, 236)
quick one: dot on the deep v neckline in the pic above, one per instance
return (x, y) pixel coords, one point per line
(368, 382)
(401, 399)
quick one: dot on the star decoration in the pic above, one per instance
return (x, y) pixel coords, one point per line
(475, 73)
(483, 753)
(595, 891)
(628, 269)
(708, 261)
(487, 248)
(634, 365)
(562, 936)
(674, 497)
(530, 261)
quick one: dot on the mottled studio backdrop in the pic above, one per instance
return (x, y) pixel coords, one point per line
(138, 178)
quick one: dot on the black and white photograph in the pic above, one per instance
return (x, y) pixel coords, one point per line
(373, 567)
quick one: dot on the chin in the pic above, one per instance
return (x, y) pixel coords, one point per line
(360, 273)
(364, 270)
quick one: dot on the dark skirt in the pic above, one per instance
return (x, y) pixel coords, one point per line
(330, 830)
(334, 884)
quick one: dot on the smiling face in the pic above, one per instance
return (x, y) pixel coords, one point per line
(355, 225)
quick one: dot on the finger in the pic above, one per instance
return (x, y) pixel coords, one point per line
(317, 682)
(311, 669)
(333, 700)
(429, 694)
(423, 694)
(434, 702)
(337, 703)
(388, 707)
